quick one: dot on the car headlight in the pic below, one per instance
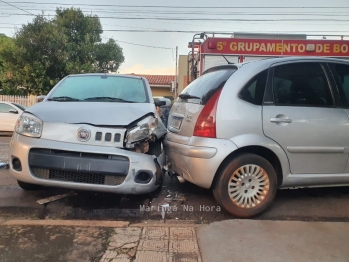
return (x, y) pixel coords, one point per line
(28, 125)
(142, 131)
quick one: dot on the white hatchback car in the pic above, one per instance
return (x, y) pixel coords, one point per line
(9, 113)
(95, 132)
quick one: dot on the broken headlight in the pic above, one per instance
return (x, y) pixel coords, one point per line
(142, 131)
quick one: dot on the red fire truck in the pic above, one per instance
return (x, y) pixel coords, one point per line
(208, 49)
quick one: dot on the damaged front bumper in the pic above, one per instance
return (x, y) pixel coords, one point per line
(84, 167)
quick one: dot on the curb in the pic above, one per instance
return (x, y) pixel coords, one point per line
(104, 223)
(167, 223)
(75, 223)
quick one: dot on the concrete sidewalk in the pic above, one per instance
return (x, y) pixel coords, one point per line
(269, 241)
(99, 241)
(173, 241)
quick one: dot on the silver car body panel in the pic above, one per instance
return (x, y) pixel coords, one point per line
(197, 159)
(322, 145)
(95, 114)
(53, 131)
(240, 124)
(187, 113)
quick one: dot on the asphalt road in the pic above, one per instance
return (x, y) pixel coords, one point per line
(185, 202)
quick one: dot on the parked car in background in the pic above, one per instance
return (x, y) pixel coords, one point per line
(9, 113)
(245, 130)
(165, 109)
(95, 132)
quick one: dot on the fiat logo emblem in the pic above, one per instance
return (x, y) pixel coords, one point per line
(83, 134)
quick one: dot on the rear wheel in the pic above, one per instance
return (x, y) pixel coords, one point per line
(27, 186)
(246, 186)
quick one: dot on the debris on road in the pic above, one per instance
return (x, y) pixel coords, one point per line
(4, 165)
(163, 210)
(54, 198)
(179, 198)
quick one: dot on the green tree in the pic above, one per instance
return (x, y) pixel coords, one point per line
(46, 50)
(108, 57)
(83, 33)
(8, 74)
(41, 55)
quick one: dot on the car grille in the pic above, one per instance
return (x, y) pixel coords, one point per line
(108, 137)
(77, 177)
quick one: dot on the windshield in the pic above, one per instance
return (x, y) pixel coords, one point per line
(100, 88)
(203, 88)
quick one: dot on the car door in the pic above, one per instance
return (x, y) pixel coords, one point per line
(7, 119)
(304, 119)
(340, 72)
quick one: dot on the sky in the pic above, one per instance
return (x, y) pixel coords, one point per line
(133, 23)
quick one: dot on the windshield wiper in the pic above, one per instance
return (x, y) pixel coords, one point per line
(109, 98)
(187, 96)
(63, 98)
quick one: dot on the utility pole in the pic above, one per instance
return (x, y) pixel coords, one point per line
(176, 77)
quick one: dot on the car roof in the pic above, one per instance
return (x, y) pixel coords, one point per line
(107, 74)
(267, 62)
(271, 61)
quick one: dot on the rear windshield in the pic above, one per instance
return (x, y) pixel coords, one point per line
(97, 88)
(205, 86)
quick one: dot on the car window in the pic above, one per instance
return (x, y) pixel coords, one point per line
(96, 86)
(341, 74)
(254, 90)
(302, 84)
(23, 108)
(206, 86)
(4, 108)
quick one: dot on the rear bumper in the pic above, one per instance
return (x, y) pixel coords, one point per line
(197, 159)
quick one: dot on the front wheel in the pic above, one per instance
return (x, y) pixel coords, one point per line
(246, 186)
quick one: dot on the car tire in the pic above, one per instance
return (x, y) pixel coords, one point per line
(155, 148)
(246, 186)
(27, 186)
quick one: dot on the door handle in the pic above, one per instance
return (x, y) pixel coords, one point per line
(280, 120)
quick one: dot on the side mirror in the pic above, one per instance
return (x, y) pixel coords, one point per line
(40, 98)
(13, 111)
(163, 102)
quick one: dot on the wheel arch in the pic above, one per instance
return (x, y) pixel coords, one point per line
(264, 152)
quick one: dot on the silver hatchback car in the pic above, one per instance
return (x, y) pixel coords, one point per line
(97, 132)
(245, 130)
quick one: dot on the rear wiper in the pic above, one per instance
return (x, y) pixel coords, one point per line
(63, 98)
(109, 98)
(187, 96)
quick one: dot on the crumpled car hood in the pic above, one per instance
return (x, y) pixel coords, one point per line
(94, 113)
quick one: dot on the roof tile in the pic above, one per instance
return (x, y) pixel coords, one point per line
(158, 79)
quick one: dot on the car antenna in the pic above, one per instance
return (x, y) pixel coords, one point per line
(229, 63)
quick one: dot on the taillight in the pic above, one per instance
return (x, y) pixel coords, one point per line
(206, 124)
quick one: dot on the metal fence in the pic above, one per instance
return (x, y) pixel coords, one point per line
(22, 100)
